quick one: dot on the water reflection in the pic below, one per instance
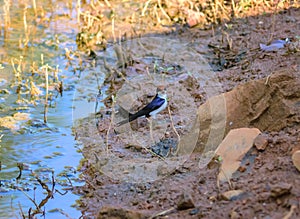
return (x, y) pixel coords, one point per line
(30, 31)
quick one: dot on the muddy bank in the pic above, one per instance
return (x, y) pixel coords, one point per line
(266, 176)
(267, 182)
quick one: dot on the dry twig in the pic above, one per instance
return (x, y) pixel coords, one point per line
(172, 123)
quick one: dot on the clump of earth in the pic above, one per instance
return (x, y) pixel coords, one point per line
(260, 89)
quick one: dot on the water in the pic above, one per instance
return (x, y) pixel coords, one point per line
(50, 150)
(44, 149)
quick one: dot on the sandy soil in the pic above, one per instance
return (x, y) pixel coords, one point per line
(267, 85)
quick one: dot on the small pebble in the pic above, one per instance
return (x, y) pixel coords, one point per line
(185, 201)
(261, 142)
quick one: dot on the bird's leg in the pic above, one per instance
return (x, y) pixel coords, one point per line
(151, 130)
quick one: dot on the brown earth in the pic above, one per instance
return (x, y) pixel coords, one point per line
(262, 90)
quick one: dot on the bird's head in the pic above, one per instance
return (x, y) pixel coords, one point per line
(162, 92)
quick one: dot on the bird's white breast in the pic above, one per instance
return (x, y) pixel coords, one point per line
(153, 113)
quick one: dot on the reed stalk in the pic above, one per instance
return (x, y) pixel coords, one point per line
(46, 96)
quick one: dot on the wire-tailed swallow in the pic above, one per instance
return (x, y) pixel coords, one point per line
(158, 104)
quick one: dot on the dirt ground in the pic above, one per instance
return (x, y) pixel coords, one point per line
(263, 91)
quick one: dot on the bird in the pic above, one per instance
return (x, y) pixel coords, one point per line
(158, 104)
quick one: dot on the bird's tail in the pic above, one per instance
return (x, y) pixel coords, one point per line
(124, 113)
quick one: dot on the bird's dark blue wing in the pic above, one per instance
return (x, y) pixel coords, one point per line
(153, 105)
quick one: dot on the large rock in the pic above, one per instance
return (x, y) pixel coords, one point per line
(296, 159)
(268, 104)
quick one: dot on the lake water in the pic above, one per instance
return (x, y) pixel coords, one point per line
(43, 149)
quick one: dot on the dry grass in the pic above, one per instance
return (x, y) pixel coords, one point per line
(102, 20)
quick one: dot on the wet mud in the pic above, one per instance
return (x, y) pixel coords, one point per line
(259, 89)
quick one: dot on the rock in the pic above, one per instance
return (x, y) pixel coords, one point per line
(194, 18)
(267, 104)
(261, 142)
(194, 211)
(118, 213)
(185, 201)
(296, 159)
(280, 189)
(233, 148)
(242, 169)
(232, 194)
(164, 147)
